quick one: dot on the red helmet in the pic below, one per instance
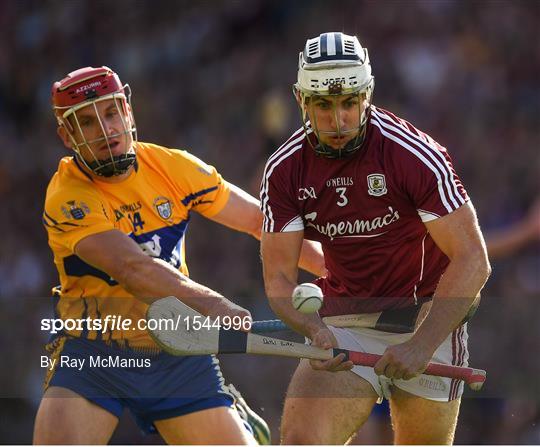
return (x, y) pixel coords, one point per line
(85, 87)
(84, 84)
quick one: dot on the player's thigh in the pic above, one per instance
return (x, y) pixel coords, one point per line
(324, 407)
(422, 421)
(65, 417)
(220, 425)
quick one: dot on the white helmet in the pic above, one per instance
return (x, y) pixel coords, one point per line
(335, 64)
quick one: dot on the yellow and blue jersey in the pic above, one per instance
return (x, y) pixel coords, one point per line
(152, 206)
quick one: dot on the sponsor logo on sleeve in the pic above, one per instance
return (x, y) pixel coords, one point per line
(74, 210)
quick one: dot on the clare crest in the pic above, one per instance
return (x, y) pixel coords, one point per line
(376, 185)
(163, 207)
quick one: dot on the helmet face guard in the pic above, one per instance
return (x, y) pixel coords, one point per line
(84, 89)
(334, 64)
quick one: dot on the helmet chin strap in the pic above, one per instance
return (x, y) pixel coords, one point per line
(117, 165)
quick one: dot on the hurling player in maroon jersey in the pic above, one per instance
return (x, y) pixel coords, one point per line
(400, 236)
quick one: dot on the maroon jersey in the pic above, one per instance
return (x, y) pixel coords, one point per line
(368, 211)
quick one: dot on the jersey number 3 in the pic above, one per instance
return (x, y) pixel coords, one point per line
(342, 197)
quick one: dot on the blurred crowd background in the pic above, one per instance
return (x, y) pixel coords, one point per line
(215, 77)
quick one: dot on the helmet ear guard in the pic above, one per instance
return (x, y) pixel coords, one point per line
(334, 64)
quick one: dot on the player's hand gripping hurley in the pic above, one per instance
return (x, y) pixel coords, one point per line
(213, 340)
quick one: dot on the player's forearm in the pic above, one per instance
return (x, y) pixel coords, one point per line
(312, 258)
(149, 279)
(279, 291)
(455, 294)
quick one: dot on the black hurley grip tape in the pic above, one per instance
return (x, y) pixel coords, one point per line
(398, 321)
(232, 342)
(338, 351)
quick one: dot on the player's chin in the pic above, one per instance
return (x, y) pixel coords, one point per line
(338, 143)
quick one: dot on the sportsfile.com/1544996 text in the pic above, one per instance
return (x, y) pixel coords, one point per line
(119, 323)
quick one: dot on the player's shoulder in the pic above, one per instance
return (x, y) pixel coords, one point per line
(401, 140)
(70, 184)
(400, 131)
(289, 153)
(170, 158)
(154, 153)
(69, 178)
(409, 153)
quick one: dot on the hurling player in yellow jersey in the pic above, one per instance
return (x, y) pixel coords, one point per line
(116, 213)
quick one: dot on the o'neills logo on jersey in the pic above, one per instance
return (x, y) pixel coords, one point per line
(356, 228)
(340, 181)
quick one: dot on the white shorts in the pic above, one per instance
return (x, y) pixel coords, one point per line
(453, 351)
